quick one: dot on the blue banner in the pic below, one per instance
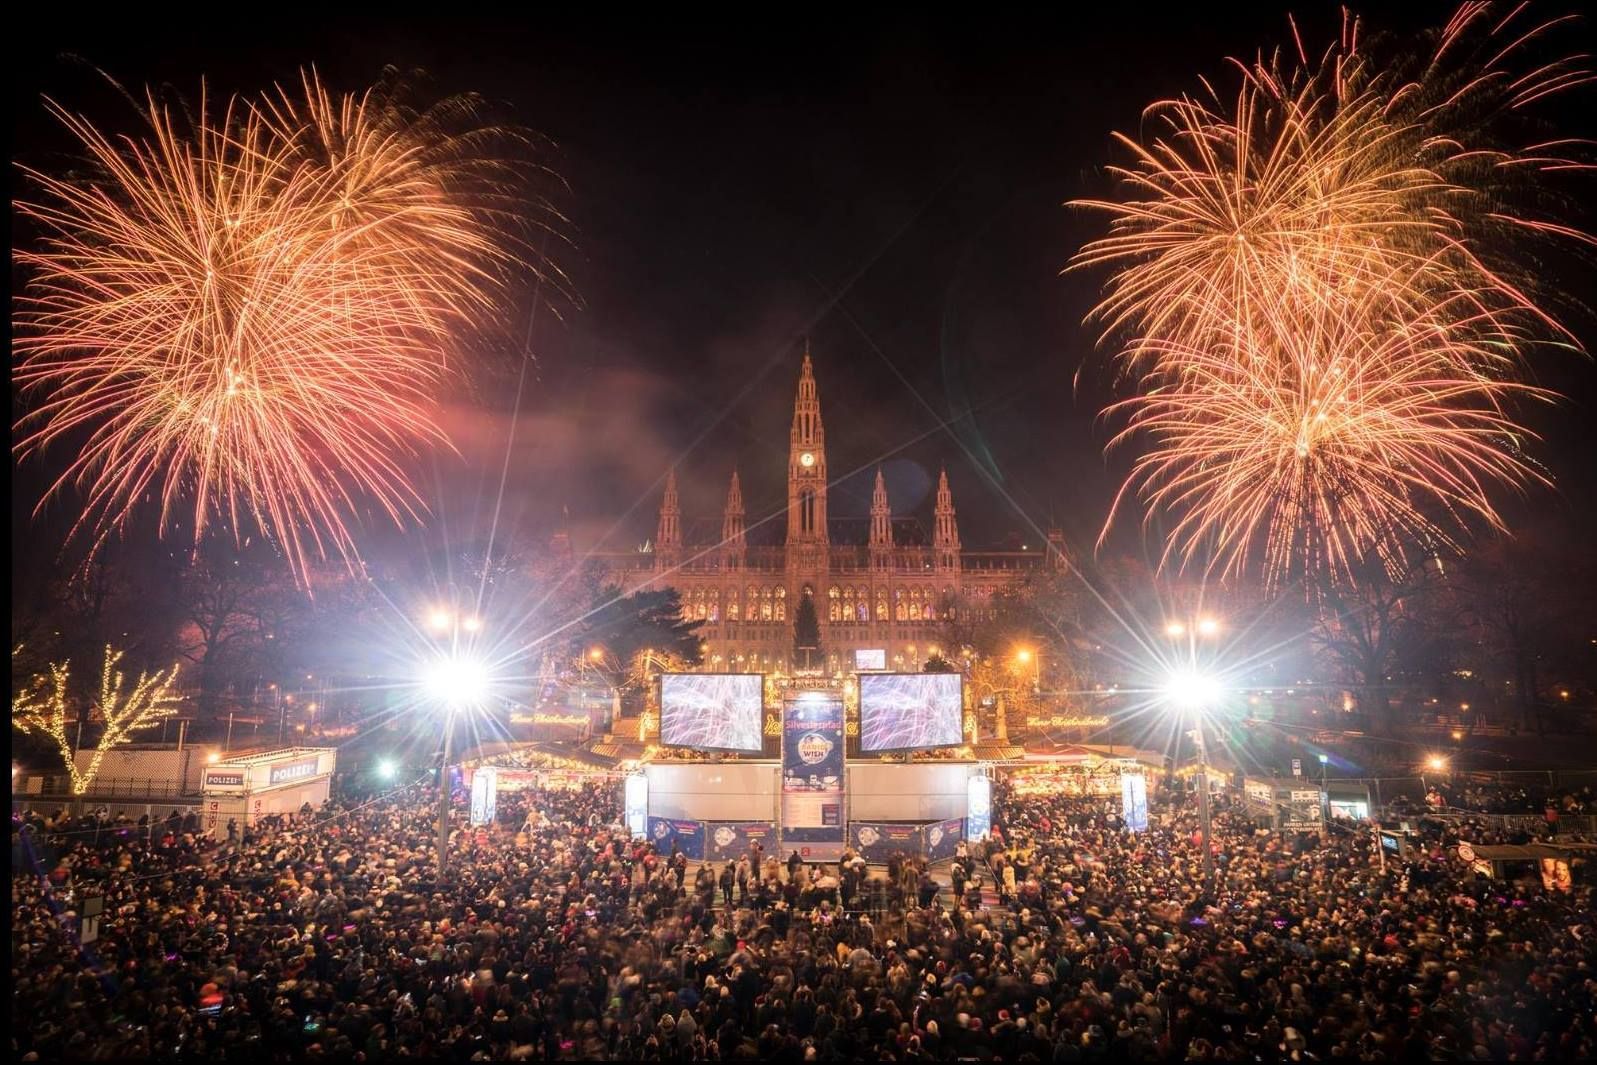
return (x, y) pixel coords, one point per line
(942, 839)
(812, 775)
(1134, 801)
(876, 841)
(731, 839)
(978, 807)
(687, 835)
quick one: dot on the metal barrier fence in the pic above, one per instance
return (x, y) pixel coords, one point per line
(59, 786)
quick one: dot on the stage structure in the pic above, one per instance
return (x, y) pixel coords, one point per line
(814, 800)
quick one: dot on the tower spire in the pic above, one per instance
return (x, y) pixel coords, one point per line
(945, 540)
(734, 547)
(668, 537)
(806, 470)
(881, 525)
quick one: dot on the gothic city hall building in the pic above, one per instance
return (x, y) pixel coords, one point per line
(894, 592)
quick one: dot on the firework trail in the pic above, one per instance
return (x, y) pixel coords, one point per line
(255, 317)
(1321, 291)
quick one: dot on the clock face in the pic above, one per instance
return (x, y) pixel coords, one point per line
(807, 459)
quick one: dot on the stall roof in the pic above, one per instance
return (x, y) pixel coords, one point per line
(278, 754)
(1528, 852)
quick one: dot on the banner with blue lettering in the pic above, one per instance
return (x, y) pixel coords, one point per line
(687, 835)
(731, 839)
(876, 841)
(812, 775)
(1134, 801)
(978, 807)
(942, 838)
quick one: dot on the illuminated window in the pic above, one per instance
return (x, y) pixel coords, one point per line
(900, 605)
(914, 604)
(781, 603)
(732, 610)
(834, 609)
(862, 604)
(714, 596)
(765, 605)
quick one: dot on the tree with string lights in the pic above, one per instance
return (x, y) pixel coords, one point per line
(42, 709)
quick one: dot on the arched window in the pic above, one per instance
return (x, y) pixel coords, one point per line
(862, 604)
(732, 606)
(765, 604)
(714, 604)
(834, 608)
(781, 603)
(881, 604)
(697, 609)
(900, 605)
(914, 604)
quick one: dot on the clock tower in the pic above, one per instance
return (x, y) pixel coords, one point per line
(806, 482)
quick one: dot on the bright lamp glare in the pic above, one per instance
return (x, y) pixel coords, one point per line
(1208, 626)
(1192, 691)
(386, 769)
(457, 681)
(439, 619)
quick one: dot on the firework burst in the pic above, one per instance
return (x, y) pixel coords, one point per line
(1325, 355)
(254, 318)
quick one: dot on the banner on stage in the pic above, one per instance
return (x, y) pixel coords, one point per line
(484, 796)
(812, 775)
(732, 839)
(940, 840)
(687, 835)
(978, 807)
(1134, 801)
(876, 841)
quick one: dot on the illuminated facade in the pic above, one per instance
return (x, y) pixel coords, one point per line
(894, 591)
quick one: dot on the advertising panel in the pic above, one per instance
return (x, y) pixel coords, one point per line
(978, 807)
(712, 711)
(940, 840)
(870, 658)
(301, 770)
(910, 711)
(1303, 812)
(484, 796)
(876, 841)
(812, 775)
(635, 804)
(731, 839)
(1134, 801)
(687, 835)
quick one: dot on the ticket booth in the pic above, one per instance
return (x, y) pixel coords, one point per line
(250, 787)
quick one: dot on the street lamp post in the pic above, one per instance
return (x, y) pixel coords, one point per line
(455, 681)
(1194, 692)
(1203, 804)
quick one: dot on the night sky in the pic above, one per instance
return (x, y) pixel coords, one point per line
(891, 189)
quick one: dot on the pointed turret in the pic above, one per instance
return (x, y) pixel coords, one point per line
(1058, 558)
(734, 547)
(945, 540)
(881, 526)
(806, 476)
(668, 537)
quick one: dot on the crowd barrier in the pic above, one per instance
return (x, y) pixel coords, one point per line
(876, 841)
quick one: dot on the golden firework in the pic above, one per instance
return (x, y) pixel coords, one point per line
(1324, 355)
(255, 318)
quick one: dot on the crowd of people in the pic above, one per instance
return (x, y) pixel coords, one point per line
(553, 936)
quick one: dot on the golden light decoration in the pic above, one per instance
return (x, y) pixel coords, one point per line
(1324, 358)
(41, 709)
(255, 315)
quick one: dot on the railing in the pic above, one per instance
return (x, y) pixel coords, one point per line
(102, 789)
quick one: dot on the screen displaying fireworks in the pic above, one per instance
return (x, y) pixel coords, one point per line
(713, 711)
(252, 312)
(910, 711)
(1324, 305)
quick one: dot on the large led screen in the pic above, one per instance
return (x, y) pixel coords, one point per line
(910, 711)
(870, 658)
(713, 711)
